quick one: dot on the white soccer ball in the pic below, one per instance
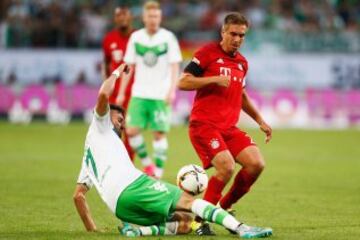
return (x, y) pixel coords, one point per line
(192, 179)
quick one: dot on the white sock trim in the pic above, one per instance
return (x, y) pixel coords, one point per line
(198, 206)
(146, 161)
(171, 228)
(136, 141)
(145, 231)
(159, 172)
(231, 223)
(161, 144)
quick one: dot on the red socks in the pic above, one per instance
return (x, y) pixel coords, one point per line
(240, 187)
(214, 189)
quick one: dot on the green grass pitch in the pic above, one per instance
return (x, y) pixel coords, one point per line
(310, 188)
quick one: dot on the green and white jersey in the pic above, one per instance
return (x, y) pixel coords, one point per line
(152, 56)
(106, 163)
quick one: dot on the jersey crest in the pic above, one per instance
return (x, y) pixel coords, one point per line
(151, 54)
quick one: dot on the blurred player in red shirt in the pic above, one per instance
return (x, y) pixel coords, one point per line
(218, 72)
(114, 47)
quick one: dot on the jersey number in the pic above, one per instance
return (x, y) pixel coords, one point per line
(160, 187)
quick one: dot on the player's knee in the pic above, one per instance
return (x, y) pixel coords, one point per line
(257, 166)
(229, 169)
(226, 171)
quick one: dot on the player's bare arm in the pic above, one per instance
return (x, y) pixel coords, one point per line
(125, 78)
(174, 81)
(106, 90)
(106, 67)
(189, 82)
(83, 208)
(103, 71)
(250, 109)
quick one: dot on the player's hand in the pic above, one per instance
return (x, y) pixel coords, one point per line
(267, 130)
(123, 68)
(223, 81)
(120, 99)
(170, 98)
(103, 72)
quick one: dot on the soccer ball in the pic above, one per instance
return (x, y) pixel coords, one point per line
(192, 179)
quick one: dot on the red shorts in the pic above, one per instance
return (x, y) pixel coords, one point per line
(208, 141)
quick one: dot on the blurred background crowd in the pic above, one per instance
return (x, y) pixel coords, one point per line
(326, 24)
(303, 55)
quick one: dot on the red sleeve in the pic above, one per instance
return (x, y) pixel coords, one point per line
(202, 57)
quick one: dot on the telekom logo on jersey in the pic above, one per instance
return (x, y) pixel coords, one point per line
(224, 71)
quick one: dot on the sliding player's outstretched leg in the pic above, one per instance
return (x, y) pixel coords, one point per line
(170, 228)
(209, 212)
(178, 224)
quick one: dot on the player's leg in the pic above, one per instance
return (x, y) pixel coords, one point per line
(209, 212)
(248, 155)
(168, 228)
(160, 124)
(147, 201)
(224, 165)
(212, 150)
(136, 120)
(178, 224)
(160, 146)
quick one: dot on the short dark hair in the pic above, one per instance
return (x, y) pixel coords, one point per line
(117, 108)
(235, 18)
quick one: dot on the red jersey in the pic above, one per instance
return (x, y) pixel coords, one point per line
(213, 104)
(114, 47)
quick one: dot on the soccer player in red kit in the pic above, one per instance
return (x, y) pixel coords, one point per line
(218, 72)
(114, 47)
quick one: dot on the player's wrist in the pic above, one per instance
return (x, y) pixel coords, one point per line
(260, 121)
(116, 73)
(214, 79)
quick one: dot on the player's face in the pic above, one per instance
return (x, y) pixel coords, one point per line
(122, 18)
(118, 121)
(233, 36)
(152, 19)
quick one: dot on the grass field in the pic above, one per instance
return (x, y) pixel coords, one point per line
(310, 188)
